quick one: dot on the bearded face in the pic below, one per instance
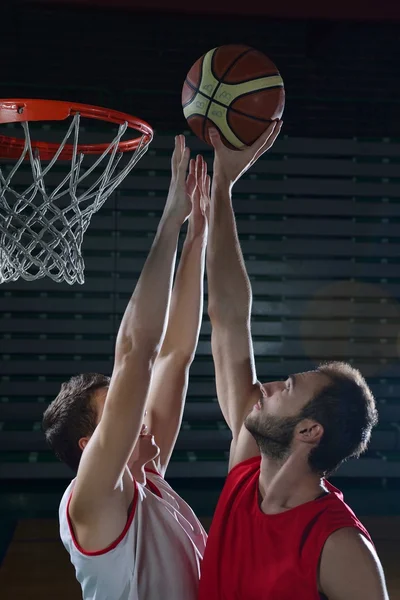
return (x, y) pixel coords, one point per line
(273, 435)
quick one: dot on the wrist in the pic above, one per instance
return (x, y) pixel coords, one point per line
(195, 242)
(196, 233)
(169, 223)
(222, 181)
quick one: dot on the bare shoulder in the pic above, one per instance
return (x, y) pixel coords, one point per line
(350, 568)
(113, 514)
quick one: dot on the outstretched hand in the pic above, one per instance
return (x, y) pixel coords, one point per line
(182, 186)
(231, 164)
(198, 219)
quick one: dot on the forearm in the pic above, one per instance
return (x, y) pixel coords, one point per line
(187, 301)
(144, 321)
(229, 308)
(229, 290)
(166, 398)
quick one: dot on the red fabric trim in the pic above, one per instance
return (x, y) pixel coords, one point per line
(119, 538)
(153, 488)
(247, 462)
(154, 472)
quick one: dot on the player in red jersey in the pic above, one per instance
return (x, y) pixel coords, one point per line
(280, 530)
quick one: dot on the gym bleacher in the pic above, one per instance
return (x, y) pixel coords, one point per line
(317, 221)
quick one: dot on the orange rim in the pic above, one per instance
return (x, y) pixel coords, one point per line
(19, 110)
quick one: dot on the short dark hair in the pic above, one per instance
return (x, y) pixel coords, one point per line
(346, 410)
(72, 415)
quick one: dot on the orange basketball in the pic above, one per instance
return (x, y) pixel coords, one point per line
(236, 89)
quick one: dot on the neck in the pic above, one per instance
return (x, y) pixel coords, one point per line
(285, 485)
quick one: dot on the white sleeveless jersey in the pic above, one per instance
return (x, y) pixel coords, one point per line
(156, 557)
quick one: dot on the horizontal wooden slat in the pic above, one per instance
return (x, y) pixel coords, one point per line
(285, 145)
(262, 204)
(302, 329)
(271, 368)
(56, 305)
(35, 471)
(92, 284)
(13, 411)
(290, 165)
(324, 309)
(55, 346)
(314, 268)
(197, 388)
(248, 224)
(189, 440)
(105, 281)
(329, 329)
(38, 387)
(363, 467)
(58, 326)
(301, 267)
(194, 411)
(304, 146)
(286, 287)
(255, 246)
(324, 289)
(292, 185)
(289, 308)
(256, 268)
(36, 367)
(323, 349)
(279, 248)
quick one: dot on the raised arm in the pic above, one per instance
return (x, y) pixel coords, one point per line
(229, 295)
(95, 498)
(169, 383)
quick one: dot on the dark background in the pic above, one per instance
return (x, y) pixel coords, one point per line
(341, 81)
(341, 76)
(318, 218)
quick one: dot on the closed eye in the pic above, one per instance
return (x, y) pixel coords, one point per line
(291, 382)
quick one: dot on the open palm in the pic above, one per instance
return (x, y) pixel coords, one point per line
(231, 164)
(182, 186)
(200, 197)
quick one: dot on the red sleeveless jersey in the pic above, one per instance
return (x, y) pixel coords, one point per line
(254, 556)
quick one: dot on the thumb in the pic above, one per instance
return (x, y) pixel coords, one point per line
(215, 138)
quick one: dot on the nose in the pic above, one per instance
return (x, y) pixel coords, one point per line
(268, 389)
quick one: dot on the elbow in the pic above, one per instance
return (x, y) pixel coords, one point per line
(177, 358)
(138, 346)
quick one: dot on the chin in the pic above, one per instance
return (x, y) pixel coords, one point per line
(251, 418)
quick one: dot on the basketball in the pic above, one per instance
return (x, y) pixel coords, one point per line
(236, 89)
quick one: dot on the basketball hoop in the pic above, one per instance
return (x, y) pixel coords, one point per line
(41, 228)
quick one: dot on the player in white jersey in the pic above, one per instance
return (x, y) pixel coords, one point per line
(129, 535)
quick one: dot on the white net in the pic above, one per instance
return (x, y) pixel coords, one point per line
(41, 229)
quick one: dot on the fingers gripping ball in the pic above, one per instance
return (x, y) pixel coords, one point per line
(236, 89)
